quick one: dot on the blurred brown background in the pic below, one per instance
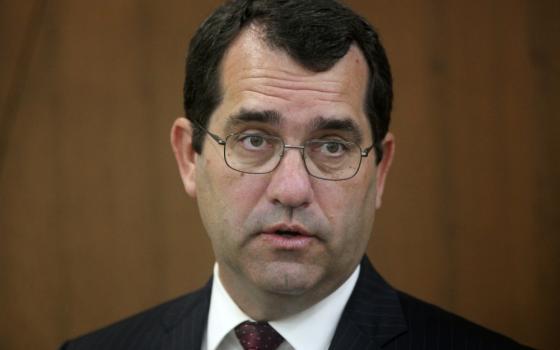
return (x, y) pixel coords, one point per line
(94, 224)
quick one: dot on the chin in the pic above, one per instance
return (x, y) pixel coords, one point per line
(287, 278)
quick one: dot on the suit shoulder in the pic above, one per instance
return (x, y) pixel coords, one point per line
(433, 324)
(144, 330)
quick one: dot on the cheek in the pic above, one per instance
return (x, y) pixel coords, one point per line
(235, 196)
(243, 194)
(349, 207)
(366, 206)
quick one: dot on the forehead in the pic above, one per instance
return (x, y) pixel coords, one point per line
(255, 76)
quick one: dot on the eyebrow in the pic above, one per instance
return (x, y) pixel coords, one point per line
(337, 123)
(247, 116)
(274, 118)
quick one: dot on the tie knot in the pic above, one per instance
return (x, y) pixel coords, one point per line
(258, 336)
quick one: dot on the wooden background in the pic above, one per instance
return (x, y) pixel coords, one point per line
(94, 224)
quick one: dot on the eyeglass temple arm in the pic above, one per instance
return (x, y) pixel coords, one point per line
(366, 151)
(216, 138)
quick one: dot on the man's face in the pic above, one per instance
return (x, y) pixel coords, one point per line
(285, 233)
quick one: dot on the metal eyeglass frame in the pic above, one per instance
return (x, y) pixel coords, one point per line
(363, 153)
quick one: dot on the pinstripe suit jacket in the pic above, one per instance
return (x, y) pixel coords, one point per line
(376, 317)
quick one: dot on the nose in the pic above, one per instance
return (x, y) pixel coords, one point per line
(290, 184)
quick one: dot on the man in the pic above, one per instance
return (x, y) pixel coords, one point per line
(286, 150)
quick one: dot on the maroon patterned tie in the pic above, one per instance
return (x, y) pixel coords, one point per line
(258, 336)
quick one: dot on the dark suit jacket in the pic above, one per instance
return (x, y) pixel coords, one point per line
(376, 317)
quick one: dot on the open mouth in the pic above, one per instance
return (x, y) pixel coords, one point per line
(286, 233)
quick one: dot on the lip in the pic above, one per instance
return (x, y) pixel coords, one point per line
(302, 240)
(288, 227)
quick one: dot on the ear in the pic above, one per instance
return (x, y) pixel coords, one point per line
(383, 167)
(181, 142)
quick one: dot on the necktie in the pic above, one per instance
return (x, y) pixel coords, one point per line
(258, 336)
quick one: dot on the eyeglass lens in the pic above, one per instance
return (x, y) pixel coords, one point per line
(259, 154)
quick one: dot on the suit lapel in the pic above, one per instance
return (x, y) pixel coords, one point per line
(185, 323)
(373, 315)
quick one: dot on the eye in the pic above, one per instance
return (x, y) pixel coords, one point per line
(333, 148)
(252, 142)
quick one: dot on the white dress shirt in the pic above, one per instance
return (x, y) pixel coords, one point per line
(311, 329)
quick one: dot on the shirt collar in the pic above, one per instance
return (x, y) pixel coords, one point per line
(224, 314)
(311, 329)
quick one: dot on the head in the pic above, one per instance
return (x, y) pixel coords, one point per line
(298, 70)
(315, 33)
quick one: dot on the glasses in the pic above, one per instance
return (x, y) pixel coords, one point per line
(258, 153)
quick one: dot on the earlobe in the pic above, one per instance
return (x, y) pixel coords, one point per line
(384, 166)
(181, 142)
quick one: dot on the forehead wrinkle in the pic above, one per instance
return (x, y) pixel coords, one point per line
(326, 91)
(294, 82)
(287, 78)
